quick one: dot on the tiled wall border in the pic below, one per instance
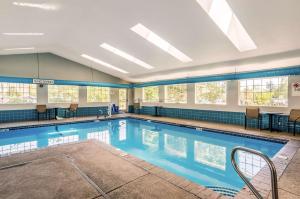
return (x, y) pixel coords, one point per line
(225, 117)
(31, 114)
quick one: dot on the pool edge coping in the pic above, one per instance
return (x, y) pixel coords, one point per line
(289, 150)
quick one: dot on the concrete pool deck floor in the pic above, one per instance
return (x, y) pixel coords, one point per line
(93, 170)
(90, 170)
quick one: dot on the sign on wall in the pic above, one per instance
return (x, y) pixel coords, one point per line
(43, 81)
(296, 89)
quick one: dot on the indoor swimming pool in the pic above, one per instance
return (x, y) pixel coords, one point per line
(202, 156)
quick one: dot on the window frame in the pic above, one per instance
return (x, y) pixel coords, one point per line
(152, 101)
(264, 105)
(175, 102)
(97, 87)
(16, 87)
(218, 104)
(63, 102)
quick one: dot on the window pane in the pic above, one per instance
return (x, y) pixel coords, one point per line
(176, 93)
(264, 92)
(17, 93)
(210, 93)
(63, 94)
(151, 94)
(98, 94)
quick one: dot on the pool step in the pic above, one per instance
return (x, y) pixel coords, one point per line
(229, 192)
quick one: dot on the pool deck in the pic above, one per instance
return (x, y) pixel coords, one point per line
(94, 170)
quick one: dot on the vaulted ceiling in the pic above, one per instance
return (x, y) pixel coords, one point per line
(76, 27)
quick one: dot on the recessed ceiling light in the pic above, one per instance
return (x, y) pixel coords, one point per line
(125, 55)
(23, 33)
(43, 6)
(159, 42)
(98, 61)
(223, 16)
(27, 48)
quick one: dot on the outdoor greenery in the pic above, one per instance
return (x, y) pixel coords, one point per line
(210, 93)
(264, 92)
(63, 94)
(98, 94)
(151, 94)
(17, 93)
(122, 99)
(176, 93)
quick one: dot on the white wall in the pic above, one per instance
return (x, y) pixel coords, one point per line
(232, 99)
(53, 67)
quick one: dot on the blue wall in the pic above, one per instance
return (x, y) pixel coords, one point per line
(225, 117)
(31, 114)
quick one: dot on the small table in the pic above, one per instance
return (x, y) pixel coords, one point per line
(271, 116)
(55, 110)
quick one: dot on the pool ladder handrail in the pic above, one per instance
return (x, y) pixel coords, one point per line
(244, 178)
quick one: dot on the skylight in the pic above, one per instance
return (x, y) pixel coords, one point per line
(26, 48)
(98, 61)
(23, 33)
(159, 42)
(223, 16)
(43, 6)
(125, 55)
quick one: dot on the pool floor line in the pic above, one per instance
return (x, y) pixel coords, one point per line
(85, 177)
(15, 165)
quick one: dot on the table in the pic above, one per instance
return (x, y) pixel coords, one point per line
(271, 115)
(55, 111)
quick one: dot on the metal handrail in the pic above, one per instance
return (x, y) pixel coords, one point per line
(244, 178)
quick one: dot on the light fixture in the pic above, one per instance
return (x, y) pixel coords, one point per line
(26, 48)
(125, 55)
(43, 6)
(222, 15)
(159, 42)
(98, 61)
(23, 33)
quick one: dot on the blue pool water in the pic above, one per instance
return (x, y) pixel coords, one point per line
(200, 156)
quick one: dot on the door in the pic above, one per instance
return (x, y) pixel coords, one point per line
(123, 99)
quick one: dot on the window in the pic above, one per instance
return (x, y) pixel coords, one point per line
(264, 92)
(176, 93)
(210, 93)
(98, 94)
(123, 99)
(151, 94)
(63, 94)
(17, 93)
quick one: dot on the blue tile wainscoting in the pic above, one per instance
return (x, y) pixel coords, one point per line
(225, 117)
(31, 114)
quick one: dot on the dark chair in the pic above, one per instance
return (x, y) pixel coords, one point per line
(115, 109)
(253, 113)
(42, 109)
(293, 120)
(72, 109)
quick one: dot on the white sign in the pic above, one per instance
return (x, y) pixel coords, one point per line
(43, 81)
(296, 89)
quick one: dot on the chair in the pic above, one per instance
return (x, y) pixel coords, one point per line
(137, 108)
(115, 109)
(293, 119)
(253, 113)
(72, 109)
(41, 109)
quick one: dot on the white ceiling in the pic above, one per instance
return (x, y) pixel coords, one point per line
(80, 26)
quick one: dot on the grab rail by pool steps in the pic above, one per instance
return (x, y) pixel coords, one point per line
(244, 178)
